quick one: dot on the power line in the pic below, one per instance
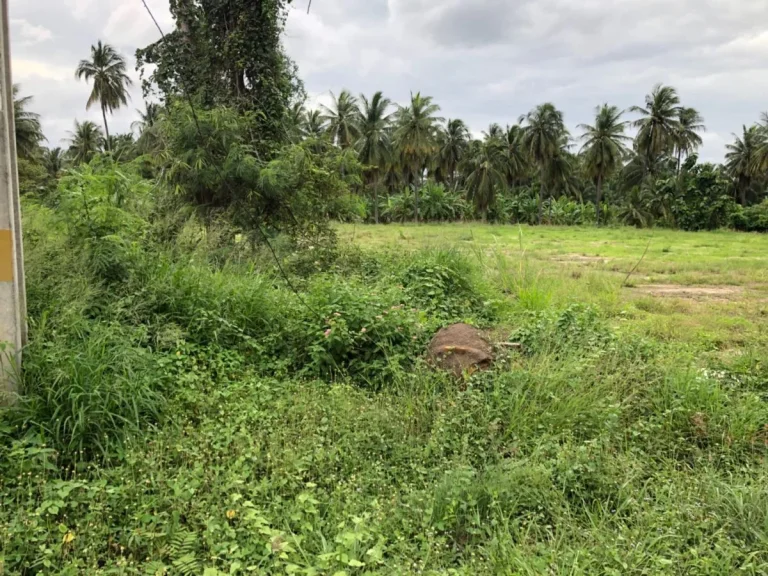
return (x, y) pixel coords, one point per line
(258, 225)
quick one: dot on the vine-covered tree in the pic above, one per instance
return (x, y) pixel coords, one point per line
(227, 53)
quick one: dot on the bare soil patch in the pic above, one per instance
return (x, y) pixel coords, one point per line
(582, 258)
(691, 292)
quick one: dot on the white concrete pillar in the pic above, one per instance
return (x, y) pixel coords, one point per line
(12, 289)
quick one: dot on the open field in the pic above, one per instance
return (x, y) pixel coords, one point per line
(187, 417)
(709, 288)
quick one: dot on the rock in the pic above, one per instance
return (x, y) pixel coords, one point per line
(460, 348)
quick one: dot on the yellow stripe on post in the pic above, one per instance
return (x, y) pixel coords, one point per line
(6, 256)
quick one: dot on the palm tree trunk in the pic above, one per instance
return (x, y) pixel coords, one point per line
(743, 191)
(416, 194)
(376, 202)
(541, 196)
(598, 197)
(416, 202)
(106, 129)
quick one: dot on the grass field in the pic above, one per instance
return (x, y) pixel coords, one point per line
(707, 287)
(250, 430)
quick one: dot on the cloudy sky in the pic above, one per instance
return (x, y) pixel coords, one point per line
(482, 60)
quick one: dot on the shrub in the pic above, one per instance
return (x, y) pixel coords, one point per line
(445, 284)
(88, 388)
(350, 328)
(752, 218)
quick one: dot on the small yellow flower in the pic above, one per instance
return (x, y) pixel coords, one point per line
(231, 514)
(69, 537)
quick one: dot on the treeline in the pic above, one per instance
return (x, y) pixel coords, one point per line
(423, 167)
(228, 110)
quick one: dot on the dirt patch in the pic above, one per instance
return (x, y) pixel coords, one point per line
(460, 349)
(582, 258)
(691, 292)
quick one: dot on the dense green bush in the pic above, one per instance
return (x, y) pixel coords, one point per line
(751, 219)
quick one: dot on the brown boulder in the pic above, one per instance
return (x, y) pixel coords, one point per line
(460, 348)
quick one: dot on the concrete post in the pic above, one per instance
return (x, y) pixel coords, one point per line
(12, 288)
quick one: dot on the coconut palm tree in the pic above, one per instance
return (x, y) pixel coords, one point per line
(542, 136)
(373, 146)
(29, 133)
(85, 141)
(293, 122)
(313, 124)
(686, 138)
(603, 148)
(53, 159)
(110, 82)
(516, 160)
(147, 119)
(416, 136)
(453, 142)
(494, 132)
(659, 124)
(742, 161)
(486, 175)
(343, 119)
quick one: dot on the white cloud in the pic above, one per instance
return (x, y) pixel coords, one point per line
(25, 69)
(29, 33)
(482, 60)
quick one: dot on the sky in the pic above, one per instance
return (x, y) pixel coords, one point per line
(482, 60)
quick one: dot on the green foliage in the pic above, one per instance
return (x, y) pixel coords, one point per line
(446, 285)
(751, 219)
(88, 386)
(106, 68)
(704, 202)
(240, 37)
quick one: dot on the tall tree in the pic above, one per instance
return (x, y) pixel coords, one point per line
(742, 159)
(494, 132)
(147, 117)
(227, 53)
(85, 141)
(486, 175)
(687, 140)
(516, 161)
(659, 123)
(54, 161)
(147, 127)
(373, 146)
(29, 133)
(313, 125)
(294, 121)
(343, 119)
(416, 136)
(110, 82)
(453, 142)
(543, 132)
(603, 147)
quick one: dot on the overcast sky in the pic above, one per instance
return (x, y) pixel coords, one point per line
(482, 60)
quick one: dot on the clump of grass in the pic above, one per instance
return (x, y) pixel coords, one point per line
(87, 389)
